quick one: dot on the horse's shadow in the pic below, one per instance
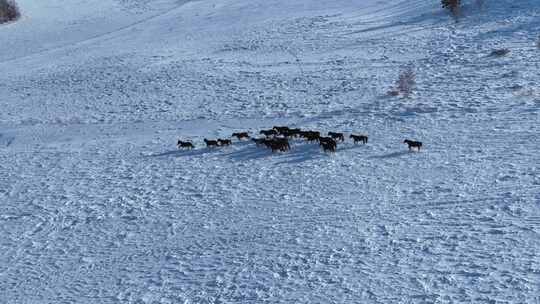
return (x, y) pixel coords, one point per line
(199, 151)
(391, 155)
(246, 151)
(186, 153)
(299, 152)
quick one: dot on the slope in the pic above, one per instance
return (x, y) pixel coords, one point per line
(99, 205)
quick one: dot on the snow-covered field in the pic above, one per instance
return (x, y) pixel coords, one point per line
(98, 206)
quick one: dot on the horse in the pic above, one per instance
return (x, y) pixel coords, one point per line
(281, 130)
(310, 135)
(184, 144)
(224, 142)
(413, 144)
(294, 132)
(259, 141)
(211, 143)
(337, 136)
(359, 138)
(241, 135)
(328, 144)
(284, 142)
(278, 145)
(327, 139)
(290, 132)
(269, 133)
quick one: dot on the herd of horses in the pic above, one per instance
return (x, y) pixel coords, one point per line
(277, 139)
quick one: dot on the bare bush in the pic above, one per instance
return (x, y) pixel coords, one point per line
(499, 52)
(9, 11)
(405, 83)
(393, 92)
(454, 6)
(480, 4)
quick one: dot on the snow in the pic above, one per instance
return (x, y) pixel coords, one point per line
(98, 206)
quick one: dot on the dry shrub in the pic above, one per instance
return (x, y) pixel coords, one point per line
(406, 82)
(454, 6)
(9, 11)
(499, 52)
(480, 4)
(393, 93)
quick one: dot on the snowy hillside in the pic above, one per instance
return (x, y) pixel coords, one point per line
(97, 205)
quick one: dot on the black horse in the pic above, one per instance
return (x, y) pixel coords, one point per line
(184, 145)
(269, 133)
(328, 144)
(281, 130)
(310, 135)
(413, 144)
(224, 142)
(359, 138)
(294, 132)
(277, 145)
(241, 135)
(211, 143)
(337, 136)
(259, 141)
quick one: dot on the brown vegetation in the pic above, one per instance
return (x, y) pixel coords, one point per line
(9, 11)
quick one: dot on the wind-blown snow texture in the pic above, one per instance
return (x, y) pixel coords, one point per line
(98, 206)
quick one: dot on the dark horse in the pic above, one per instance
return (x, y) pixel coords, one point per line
(281, 130)
(413, 144)
(211, 143)
(268, 133)
(184, 145)
(310, 135)
(259, 141)
(224, 142)
(359, 138)
(328, 144)
(241, 135)
(337, 136)
(276, 145)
